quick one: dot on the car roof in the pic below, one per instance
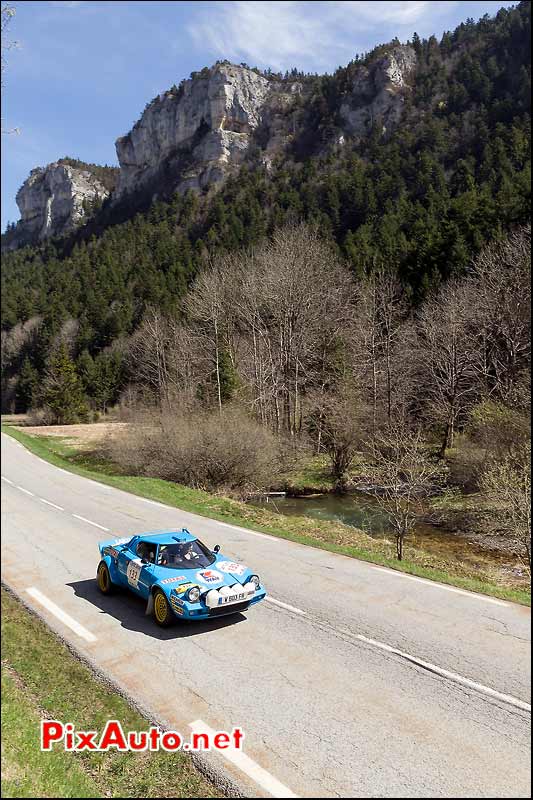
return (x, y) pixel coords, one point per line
(167, 536)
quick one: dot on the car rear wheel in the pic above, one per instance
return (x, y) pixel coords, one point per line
(162, 611)
(103, 579)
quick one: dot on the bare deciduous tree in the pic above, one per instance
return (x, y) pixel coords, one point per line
(500, 294)
(295, 302)
(381, 360)
(507, 484)
(338, 418)
(452, 358)
(406, 474)
(210, 306)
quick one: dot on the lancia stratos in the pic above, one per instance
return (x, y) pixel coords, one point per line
(178, 576)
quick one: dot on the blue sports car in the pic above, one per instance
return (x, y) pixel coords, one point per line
(178, 576)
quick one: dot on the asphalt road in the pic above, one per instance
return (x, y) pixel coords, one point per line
(351, 681)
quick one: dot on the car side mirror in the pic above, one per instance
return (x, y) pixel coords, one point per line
(216, 548)
(145, 561)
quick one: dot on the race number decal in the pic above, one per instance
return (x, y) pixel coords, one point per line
(133, 572)
(231, 567)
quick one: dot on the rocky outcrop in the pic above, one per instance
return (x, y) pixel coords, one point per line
(194, 136)
(378, 92)
(53, 201)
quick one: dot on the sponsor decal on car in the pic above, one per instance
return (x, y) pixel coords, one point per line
(173, 580)
(209, 576)
(183, 588)
(124, 540)
(231, 567)
(177, 601)
(177, 609)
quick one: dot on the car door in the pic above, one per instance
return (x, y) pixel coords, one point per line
(135, 568)
(140, 569)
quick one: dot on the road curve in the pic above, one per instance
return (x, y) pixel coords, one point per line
(352, 681)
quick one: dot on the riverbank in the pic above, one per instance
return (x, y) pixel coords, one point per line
(78, 457)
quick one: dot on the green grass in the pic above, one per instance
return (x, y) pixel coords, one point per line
(26, 771)
(42, 678)
(332, 536)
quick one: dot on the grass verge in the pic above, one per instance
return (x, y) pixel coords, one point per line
(41, 678)
(332, 536)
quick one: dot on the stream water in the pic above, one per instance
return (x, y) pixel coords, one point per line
(361, 511)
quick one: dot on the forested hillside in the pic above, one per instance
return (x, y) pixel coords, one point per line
(419, 204)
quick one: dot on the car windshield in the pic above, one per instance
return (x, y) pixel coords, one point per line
(185, 555)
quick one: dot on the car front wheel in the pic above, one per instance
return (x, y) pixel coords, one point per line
(162, 611)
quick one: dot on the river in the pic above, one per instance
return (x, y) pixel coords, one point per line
(360, 510)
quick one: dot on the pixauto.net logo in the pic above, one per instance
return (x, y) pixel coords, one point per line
(62, 734)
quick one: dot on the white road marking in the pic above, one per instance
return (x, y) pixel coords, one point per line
(453, 676)
(154, 503)
(48, 503)
(7, 480)
(246, 530)
(284, 605)
(26, 491)
(435, 585)
(65, 618)
(90, 522)
(247, 765)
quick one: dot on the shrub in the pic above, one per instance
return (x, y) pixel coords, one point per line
(207, 450)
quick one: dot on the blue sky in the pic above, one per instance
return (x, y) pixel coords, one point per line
(83, 71)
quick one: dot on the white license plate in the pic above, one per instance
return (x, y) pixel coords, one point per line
(231, 598)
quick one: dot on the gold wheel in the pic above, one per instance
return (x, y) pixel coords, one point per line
(103, 579)
(161, 610)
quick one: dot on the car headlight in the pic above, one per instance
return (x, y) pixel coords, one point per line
(255, 580)
(193, 594)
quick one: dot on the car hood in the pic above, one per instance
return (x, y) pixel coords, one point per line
(222, 572)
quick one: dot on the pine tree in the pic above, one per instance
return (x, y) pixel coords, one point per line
(63, 394)
(27, 387)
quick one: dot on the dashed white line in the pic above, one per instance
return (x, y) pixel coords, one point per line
(90, 522)
(453, 676)
(26, 491)
(247, 765)
(65, 618)
(284, 605)
(7, 480)
(49, 503)
(246, 530)
(154, 503)
(435, 585)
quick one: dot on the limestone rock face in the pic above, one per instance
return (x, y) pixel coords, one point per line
(196, 136)
(378, 92)
(193, 137)
(53, 201)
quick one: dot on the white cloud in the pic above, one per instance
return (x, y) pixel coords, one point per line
(66, 3)
(286, 33)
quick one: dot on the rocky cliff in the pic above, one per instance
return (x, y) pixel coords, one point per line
(53, 201)
(196, 135)
(378, 92)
